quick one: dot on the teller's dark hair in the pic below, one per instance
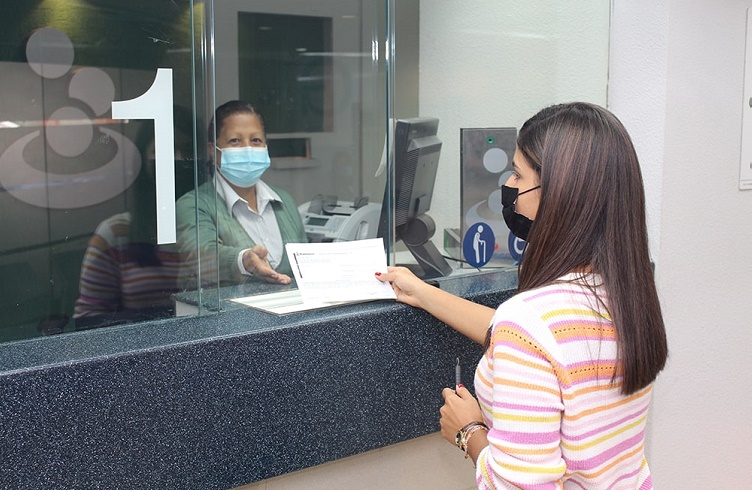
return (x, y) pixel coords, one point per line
(591, 217)
(226, 110)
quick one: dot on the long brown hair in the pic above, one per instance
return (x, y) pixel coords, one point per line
(591, 216)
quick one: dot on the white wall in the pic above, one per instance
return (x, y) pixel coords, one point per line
(700, 431)
(492, 63)
(637, 92)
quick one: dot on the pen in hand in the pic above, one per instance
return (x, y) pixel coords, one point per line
(457, 375)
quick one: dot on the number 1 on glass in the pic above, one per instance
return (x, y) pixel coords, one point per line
(156, 104)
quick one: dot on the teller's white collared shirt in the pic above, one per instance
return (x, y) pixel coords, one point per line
(261, 226)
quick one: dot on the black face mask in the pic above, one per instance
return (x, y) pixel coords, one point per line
(518, 224)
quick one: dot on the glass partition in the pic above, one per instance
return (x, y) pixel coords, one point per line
(79, 202)
(307, 83)
(112, 203)
(485, 69)
(113, 207)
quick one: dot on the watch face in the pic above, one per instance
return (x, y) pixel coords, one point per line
(458, 438)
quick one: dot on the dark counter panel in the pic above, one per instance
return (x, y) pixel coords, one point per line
(227, 399)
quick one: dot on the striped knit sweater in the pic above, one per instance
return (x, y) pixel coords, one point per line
(545, 389)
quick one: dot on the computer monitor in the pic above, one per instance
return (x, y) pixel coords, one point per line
(416, 159)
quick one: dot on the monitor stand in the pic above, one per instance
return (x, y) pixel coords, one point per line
(416, 235)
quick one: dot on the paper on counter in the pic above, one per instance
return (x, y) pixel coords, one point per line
(283, 302)
(339, 271)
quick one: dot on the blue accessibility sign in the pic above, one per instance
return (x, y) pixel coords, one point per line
(478, 244)
(516, 246)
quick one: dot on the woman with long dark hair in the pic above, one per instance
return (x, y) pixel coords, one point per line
(564, 387)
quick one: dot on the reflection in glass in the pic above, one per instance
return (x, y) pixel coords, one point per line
(125, 275)
(69, 173)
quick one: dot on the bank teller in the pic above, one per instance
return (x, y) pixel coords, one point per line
(243, 223)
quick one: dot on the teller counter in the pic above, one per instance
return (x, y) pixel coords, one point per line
(231, 398)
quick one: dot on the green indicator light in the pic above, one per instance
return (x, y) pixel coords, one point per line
(490, 140)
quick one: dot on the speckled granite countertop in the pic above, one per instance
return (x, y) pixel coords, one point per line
(222, 400)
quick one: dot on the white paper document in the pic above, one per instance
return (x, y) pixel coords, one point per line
(283, 302)
(339, 271)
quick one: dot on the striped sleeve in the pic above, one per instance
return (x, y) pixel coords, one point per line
(550, 390)
(99, 286)
(525, 410)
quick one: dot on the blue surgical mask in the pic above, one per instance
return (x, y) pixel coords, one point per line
(244, 166)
